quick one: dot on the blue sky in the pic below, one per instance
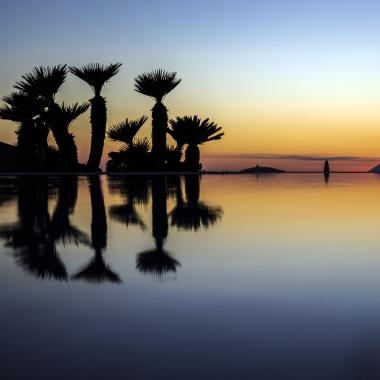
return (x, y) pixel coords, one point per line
(246, 64)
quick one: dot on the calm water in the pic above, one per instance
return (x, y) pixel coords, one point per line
(230, 277)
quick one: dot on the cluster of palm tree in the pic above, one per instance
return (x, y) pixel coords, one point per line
(139, 154)
(33, 106)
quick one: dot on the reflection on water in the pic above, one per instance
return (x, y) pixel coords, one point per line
(35, 235)
(213, 277)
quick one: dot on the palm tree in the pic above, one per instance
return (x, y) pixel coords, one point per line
(179, 134)
(195, 132)
(133, 152)
(60, 120)
(135, 157)
(43, 83)
(126, 131)
(25, 109)
(157, 84)
(96, 75)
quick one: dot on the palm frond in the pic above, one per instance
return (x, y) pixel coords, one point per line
(157, 83)
(21, 106)
(192, 130)
(68, 113)
(43, 81)
(126, 131)
(96, 74)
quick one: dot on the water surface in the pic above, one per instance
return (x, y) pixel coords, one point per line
(219, 277)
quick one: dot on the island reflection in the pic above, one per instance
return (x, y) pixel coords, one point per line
(34, 237)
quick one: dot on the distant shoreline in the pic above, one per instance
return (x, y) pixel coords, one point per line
(4, 174)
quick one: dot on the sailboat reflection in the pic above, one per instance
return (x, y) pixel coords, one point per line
(97, 271)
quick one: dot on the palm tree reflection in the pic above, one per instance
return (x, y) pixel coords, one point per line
(97, 271)
(135, 191)
(32, 237)
(193, 214)
(158, 261)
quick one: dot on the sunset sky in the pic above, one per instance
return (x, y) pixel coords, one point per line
(291, 81)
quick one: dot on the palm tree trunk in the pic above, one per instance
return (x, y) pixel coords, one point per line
(192, 158)
(66, 145)
(98, 131)
(159, 125)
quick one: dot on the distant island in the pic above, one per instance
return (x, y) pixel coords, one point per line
(261, 170)
(376, 169)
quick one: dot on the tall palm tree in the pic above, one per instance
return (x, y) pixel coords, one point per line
(60, 120)
(195, 132)
(96, 75)
(157, 84)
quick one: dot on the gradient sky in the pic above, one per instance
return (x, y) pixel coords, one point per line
(283, 77)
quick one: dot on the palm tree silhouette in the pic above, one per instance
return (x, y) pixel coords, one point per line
(60, 120)
(96, 75)
(158, 261)
(97, 271)
(32, 133)
(157, 84)
(126, 131)
(134, 153)
(180, 134)
(195, 132)
(193, 214)
(43, 83)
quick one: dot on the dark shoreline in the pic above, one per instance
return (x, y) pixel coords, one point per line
(4, 174)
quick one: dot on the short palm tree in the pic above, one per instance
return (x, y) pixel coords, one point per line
(195, 132)
(96, 75)
(60, 120)
(126, 131)
(157, 84)
(179, 132)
